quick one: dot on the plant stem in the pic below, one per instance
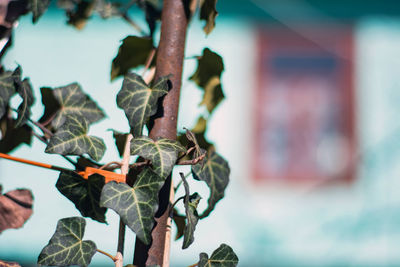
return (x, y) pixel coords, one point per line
(124, 170)
(170, 55)
(107, 254)
(194, 265)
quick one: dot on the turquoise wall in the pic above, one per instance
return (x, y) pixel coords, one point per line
(340, 225)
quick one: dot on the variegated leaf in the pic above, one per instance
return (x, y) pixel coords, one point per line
(72, 139)
(72, 101)
(66, 246)
(162, 153)
(139, 100)
(215, 172)
(224, 256)
(8, 87)
(24, 89)
(208, 12)
(84, 193)
(135, 205)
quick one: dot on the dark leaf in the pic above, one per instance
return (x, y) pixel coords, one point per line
(208, 77)
(38, 7)
(8, 87)
(152, 10)
(162, 153)
(208, 12)
(71, 139)
(12, 137)
(215, 173)
(66, 246)
(80, 14)
(85, 194)
(139, 101)
(9, 264)
(135, 205)
(192, 217)
(50, 103)
(223, 256)
(24, 110)
(15, 208)
(71, 101)
(213, 94)
(132, 53)
(120, 140)
(180, 222)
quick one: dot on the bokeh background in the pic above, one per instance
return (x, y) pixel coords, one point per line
(309, 126)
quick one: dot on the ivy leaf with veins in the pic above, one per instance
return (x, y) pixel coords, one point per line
(224, 256)
(135, 205)
(71, 101)
(24, 109)
(84, 193)
(8, 87)
(139, 100)
(162, 153)
(215, 172)
(66, 246)
(71, 139)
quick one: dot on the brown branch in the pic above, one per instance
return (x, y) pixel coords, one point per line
(149, 59)
(106, 166)
(194, 265)
(193, 161)
(140, 164)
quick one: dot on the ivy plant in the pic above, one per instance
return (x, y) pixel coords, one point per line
(148, 160)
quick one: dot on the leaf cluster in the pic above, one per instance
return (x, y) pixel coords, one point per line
(69, 112)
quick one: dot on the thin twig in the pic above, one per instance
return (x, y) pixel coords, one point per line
(126, 17)
(105, 166)
(180, 182)
(50, 119)
(107, 254)
(171, 208)
(194, 265)
(139, 164)
(149, 60)
(124, 170)
(192, 161)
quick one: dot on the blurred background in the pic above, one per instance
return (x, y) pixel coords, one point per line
(309, 127)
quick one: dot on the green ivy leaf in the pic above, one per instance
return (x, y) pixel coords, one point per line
(162, 153)
(135, 205)
(85, 194)
(24, 109)
(191, 202)
(71, 100)
(139, 101)
(208, 77)
(79, 13)
(71, 139)
(132, 53)
(38, 7)
(180, 222)
(120, 140)
(208, 12)
(66, 246)
(8, 87)
(224, 256)
(11, 136)
(215, 173)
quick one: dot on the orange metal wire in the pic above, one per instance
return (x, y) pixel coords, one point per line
(109, 176)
